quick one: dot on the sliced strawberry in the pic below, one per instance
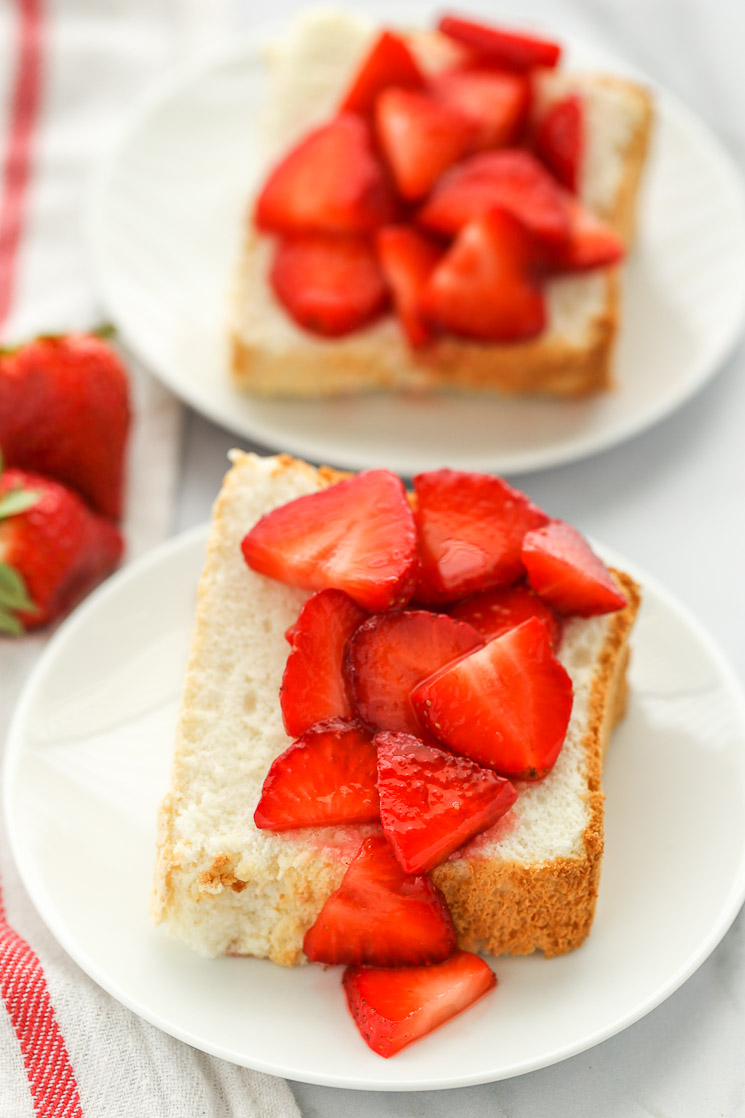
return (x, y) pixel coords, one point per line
(331, 182)
(329, 285)
(506, 705)
(431, 802)
(357, 535)
(566, 572)
(380, 916)
(408, 258)
(495, 611)
(394, 1006)
(510, 179)
(470, 529)
(420, 138)
(485, 286)
(512, 49)
(327, 776)
(496, 101)
(559, 140)
(313, 685)
(390, 653)
(388, 62)
(591, 243)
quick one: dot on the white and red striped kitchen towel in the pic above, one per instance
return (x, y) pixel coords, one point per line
(68, 70)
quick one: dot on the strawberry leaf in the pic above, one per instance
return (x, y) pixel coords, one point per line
(13, 593)
(10, 624)
(17, 501)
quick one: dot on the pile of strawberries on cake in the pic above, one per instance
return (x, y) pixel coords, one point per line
(422, 679)
(445, 195)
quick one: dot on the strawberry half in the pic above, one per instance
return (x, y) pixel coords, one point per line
(496, 101)
(420, 138)
(331, 182)
(408, 258)
(566, 572)
(432, 802)
(494, 612)
(514, 50)
(381, 916)
(390, 653)
(392, 1007)
(510, 180)
(313, 686)
(327, 776)
(559, 140)
(470, 529)
(388, 62)
(591, 243)
(506, 705)
(357, 535)
(328, 285)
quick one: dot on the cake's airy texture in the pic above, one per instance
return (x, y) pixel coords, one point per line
(225, 887)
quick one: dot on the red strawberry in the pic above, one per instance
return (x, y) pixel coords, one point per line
(431, 802)
(329, 285)
(495, 100)
(331, 182)
(566, 572)
(357, 535)
(484, 287)
(408, 258)
(64, 412)
(495, 611)
(559, 140)
(512, 49)
(380, 916)
(53, 550)
(506, 705)
(394, 1006)
(390, 653)
(511, 180)
(470, 529)
(327, 776)
(420, 138)
(591, 243)
(389, 62)
(313, 686)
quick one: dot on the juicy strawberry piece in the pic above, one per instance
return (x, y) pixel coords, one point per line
(566, 572)
(389, 62)
(53, 550)
(327, 776)
(559, 140)
(313, 686)
(484, 287)
(394, 1006)
(470, 529)
(329, 285)
(64, 412)
(512, 49)
(506, 705)
(420, 138)
(408, 259)
(494, 100)
(390, 653)
(357, 535)
(511, 180)
(431, 802)
(495, 611)
(331, 182)
(381, 916)
(591, 243)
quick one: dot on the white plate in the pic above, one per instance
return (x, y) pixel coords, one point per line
(88, 760)
(165, 224)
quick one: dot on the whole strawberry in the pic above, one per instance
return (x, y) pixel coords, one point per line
(64, 412)
(53, 550)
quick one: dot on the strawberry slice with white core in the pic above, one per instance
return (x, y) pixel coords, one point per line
(566, 572)
(328, 776)
(470, 529)
(496, 101)
(408, 258)
(559, 140)
(381, 916)
(390, 653)
(494, 612)
(515, 50)
(357, 535)
(591, 243)
(506, 705)
(432, 802)
(313, 686)
(388, 62)
(394, 1006)
(332, 182)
